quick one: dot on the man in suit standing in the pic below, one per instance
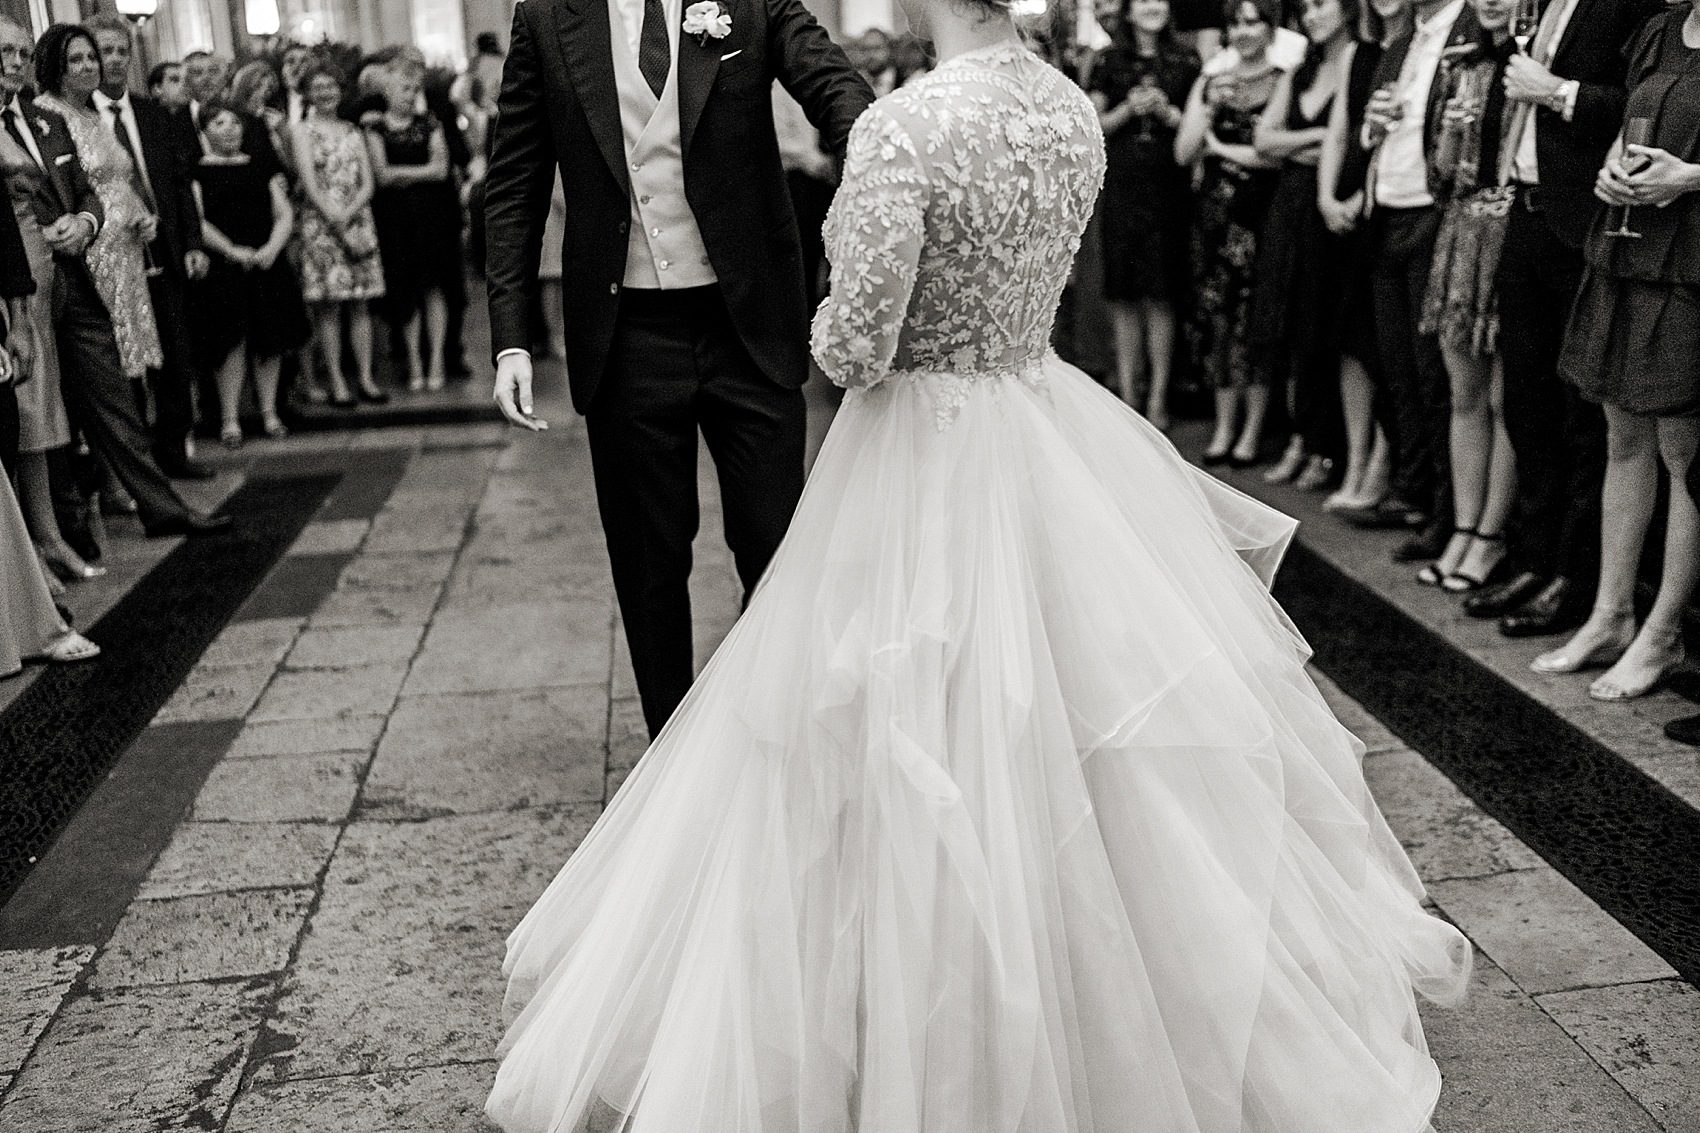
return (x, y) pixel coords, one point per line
(96, 391)
(145, 130)
(1569, 92)
(1401, 127)
(683, 291)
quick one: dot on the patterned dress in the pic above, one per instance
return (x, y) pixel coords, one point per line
(116, 258)
(337, 267)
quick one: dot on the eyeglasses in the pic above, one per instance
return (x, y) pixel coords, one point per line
(23, 54)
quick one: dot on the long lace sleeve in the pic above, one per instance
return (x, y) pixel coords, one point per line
(873, 238)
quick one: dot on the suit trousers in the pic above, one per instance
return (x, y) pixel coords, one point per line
(677, 366)
(1559, 438)
(1413, 396)
(101, 400)
(8, 430)
(174, 382)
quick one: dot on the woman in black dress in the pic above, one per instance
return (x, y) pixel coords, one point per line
(1341, 175)
(1300, 278)
(1235, 189)
(418, 215)
(248, 308)
(1138, 87)
(1633, 345)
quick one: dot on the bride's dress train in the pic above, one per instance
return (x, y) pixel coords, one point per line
(1008, 806)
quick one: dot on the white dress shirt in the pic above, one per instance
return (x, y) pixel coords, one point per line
(126, 115)
(1401, 167)
(1527, 168)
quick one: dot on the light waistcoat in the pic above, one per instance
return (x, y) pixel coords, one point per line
(665, 247)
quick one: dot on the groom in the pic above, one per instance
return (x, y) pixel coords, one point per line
(683, 282)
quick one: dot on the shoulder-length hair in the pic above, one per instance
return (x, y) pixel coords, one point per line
(52, 50)
(1269, 10)
(1168, 41)
(249, 79)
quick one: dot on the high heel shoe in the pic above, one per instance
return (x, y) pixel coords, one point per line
(1607, 690)
(1460, 582)
(67, 571)
(1292, 462)
(1433, 574)
(1319, 470)
(1600, 655)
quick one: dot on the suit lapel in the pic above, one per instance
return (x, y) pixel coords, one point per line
(698, 65)
(52, 147)
(1578, 19)
(584, 35)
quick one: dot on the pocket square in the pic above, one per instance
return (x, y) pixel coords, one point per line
(63, 158)
(730, 54)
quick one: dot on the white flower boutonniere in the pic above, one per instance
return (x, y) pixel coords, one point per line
(708, 19)
(43, 127)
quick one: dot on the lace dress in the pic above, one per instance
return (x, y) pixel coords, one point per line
(1007, 806)
(116, 258)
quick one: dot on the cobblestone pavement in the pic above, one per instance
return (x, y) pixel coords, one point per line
(318, 945)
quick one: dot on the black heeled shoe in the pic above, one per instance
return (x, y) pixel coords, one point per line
(1460, 583)
(1431, 575)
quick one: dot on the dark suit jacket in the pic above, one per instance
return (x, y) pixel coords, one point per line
(1464, 31)
(169, 173)
(1570, 153)
(66, 187)
(559, 106)
(15, 278)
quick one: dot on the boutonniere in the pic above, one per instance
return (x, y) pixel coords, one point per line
(708, 19)
(42, 126)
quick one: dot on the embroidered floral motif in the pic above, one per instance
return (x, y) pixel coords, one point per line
(964, 198)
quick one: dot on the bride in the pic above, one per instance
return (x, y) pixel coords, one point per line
(1007, 807)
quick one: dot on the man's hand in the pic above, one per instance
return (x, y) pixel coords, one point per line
(1528, 81)
(69, 235)
(1381, 114)
(513, 391)
(21, 344)
(196, 264)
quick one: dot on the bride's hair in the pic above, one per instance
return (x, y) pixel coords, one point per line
(986, 9)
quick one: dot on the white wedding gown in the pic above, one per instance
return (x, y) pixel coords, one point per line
(1007, 807)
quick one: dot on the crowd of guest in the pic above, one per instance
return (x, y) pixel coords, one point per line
(182, 255)
(1438, 261)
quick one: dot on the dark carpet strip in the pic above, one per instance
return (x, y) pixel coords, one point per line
(60, 737)
(1620, 836)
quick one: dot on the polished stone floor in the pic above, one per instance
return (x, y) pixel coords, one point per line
(290, 911)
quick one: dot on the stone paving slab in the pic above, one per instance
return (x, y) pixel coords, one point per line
(211, 937)
(330, 537)
(1446, 834)
(439, 1099)
(318, 693)
(350, 647)
(297, 737)
(514, 647)
(399, 968)
(284, 788)
(1648, 1037)
(1545, 933)
(215, 857)
(263, 641)
(489, 751)
(138, 1060)
(33, 983)
(1508, 1068)
(392, 590)
(219, 693)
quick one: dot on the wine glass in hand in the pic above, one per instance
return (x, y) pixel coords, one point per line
(1525, 21)
(1636, 132)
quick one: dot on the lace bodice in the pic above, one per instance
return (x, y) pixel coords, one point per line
(964, 198)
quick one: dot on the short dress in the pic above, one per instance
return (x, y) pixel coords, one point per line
(418, 225)
(336, 267)
(1634, 334)
(233, 304)
(1462, 302)
(1143, 209)
(1232, 205)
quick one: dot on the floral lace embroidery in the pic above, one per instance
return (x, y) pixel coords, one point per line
(964, 199)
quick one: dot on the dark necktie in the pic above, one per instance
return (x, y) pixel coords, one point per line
(137, 180)
(655, 54)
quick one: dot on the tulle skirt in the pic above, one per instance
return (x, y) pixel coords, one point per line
(1007, 807)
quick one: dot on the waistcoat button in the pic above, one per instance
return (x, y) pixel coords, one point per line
(613, 289)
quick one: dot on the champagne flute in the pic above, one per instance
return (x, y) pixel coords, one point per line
(1636, 132)
(1525, 21)
(1147, 82)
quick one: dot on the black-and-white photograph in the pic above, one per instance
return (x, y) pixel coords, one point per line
(850, 566)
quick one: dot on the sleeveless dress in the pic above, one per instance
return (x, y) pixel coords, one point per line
(42, 424)
(1007, 806)
(1634, 334)
(418, 226)
(233, 305)
(1144, 209)
(116, 258)
(1231, 206)
(336, 267)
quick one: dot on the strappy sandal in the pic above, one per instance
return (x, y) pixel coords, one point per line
(66, 649)
(1432, 575)
(1460, 583)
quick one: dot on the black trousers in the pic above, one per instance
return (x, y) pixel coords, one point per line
(678, 366)
(174, 382)
(8, 430)
(100, 398)
(1413, 396)
(1559, 439)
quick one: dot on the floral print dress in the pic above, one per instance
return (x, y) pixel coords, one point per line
(337, 267)
(116, 258)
